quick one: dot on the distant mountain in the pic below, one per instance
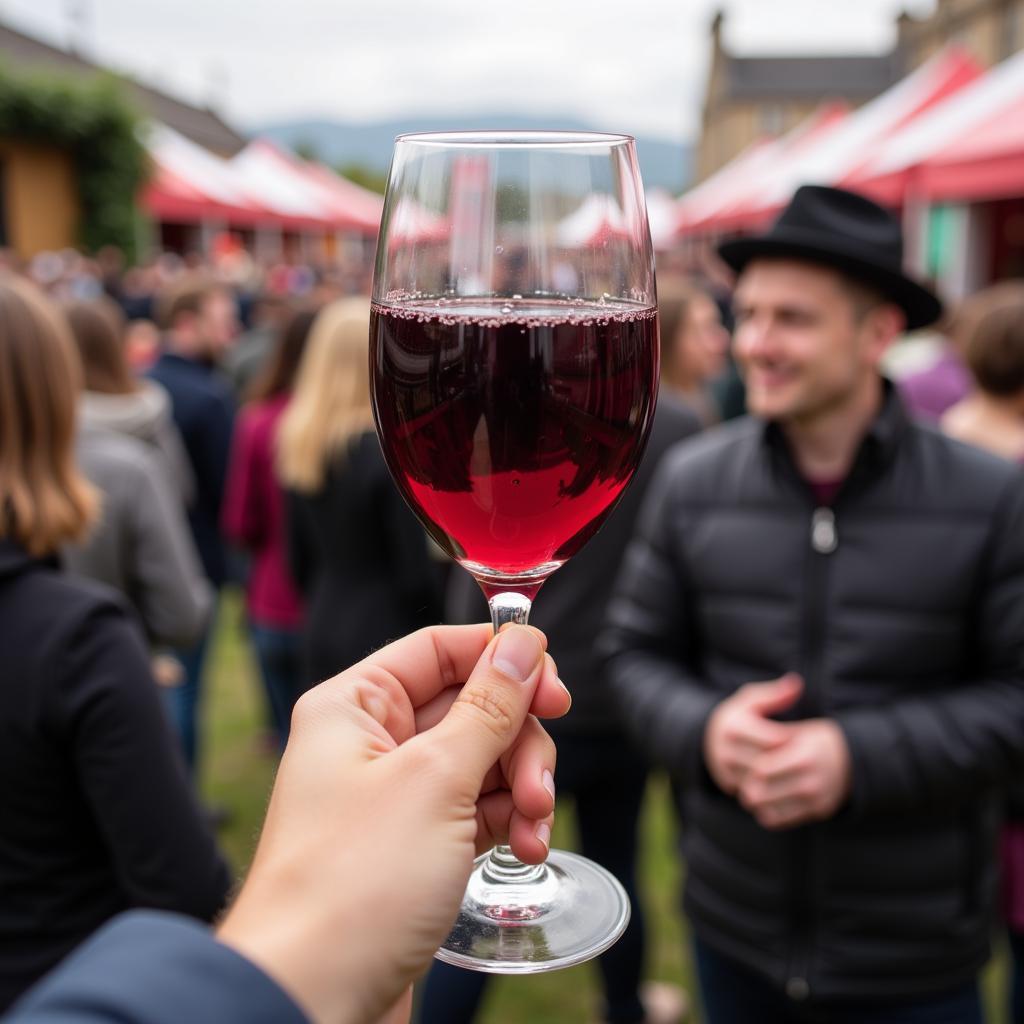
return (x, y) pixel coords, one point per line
(663, 164)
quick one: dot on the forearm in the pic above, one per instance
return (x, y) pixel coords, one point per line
(664, 709)
(156, 968)
(935, 750)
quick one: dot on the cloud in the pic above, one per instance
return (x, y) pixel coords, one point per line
(640, 66)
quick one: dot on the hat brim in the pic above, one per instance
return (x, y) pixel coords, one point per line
(920, 306)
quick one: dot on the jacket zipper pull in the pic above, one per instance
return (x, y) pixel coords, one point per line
(824, 538)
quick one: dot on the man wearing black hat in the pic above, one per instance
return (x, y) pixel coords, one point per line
(820, 629)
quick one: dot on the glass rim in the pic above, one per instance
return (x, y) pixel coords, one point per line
(498, 138)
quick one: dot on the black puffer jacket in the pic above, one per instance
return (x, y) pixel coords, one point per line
(905, 614)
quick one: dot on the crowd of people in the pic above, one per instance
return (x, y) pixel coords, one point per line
(811, 616)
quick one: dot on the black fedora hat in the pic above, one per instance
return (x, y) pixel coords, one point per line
(849, 232)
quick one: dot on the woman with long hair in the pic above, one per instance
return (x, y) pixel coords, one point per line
(128, 446)
(113, 398)
(356, 551)
(97, 815)
(253, 518)
(694, 345)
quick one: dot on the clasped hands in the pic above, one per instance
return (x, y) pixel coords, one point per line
(784, 773)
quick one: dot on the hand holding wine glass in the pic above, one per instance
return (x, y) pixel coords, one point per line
(514, 364)
(395, 775)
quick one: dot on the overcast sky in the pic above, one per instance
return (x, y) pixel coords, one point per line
(637, 66)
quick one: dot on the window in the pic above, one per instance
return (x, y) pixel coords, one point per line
(771, 119)
(1010, 34)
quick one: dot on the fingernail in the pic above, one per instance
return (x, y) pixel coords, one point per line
(548, 781)
(516, 653)
(543, 833)
(567, 693)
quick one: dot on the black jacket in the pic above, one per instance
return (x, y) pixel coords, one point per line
(203, 411)
(96, 815)
(361, 559)
(905, 615)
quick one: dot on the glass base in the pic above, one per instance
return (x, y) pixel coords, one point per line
(566, 911)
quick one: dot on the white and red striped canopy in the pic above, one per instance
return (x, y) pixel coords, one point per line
(969, 148)
(735, 196)
(827, 149)
(263, 186)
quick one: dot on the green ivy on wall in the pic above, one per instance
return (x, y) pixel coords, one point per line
(94, 123)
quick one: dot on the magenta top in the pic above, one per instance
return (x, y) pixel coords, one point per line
(253, 515)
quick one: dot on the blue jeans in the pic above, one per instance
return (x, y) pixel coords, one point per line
(182, 702)
(279, 654)
(734, 995)
(607, 779)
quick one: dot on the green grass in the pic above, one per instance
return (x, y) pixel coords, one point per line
(239, 772)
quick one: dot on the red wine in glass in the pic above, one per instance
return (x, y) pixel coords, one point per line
(513, 365)
(513, 426)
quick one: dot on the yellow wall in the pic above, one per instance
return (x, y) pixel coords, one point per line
(732, 126)
(40, 197)
(990, 30)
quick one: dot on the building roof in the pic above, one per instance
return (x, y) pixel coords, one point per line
(200, 124)
(809, 78)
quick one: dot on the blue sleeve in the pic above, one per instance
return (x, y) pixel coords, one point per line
(150, 967)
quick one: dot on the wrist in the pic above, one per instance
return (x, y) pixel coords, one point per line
(288, 946)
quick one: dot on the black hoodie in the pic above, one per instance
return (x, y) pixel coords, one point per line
(96, 815)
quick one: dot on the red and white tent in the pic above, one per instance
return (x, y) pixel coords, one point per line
(744, 203)
(190, 184)
(663, 218)
(357, 208)
(299, 198)
(412, 222)
(698, 207)
(829, 149)
(596, 220)
(261, 187)
(841, 158)
(969, 148)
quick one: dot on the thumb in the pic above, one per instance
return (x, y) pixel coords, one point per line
(492, 707)
(777, 695)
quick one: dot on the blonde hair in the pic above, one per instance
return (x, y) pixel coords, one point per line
(330, 404)
(44, 500)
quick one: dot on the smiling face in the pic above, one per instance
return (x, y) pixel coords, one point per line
(808, 342)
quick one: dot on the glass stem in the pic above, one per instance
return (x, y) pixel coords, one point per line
(502, 865)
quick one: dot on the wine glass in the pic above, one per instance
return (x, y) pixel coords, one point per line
(514, 364)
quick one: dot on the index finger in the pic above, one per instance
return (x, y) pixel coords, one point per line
(761, 733)
(432, 659)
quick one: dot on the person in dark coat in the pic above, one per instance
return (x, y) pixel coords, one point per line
(356, 551)
(199, 321)
(818, 629)
(97, 814)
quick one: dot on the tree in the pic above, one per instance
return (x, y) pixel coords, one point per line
(368, 177)
(307, 149)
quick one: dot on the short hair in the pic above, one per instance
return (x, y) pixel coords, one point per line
(186, 295)
(98, 327)
(44, 501)
(863, 296)
(990, 328)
